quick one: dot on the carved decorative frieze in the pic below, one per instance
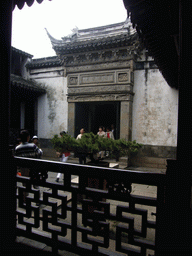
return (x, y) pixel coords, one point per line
(115, 53)
(77, 58)
(97, 78)
(101, 97)
(104, 80)
(107, 55)
(98, 66)
(88, 56)
(88, 90)
(100, 54)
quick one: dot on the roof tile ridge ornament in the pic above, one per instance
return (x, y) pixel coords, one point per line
(71, 37)
(75, 32)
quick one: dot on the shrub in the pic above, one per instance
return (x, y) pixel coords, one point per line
(92, 144)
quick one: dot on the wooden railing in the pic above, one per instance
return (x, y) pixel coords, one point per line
(97, 211)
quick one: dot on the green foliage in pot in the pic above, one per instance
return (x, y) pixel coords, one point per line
(92, 144)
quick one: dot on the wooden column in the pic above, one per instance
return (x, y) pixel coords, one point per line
(177, 235)
(71, 118)
(8, 193)
(184, 140)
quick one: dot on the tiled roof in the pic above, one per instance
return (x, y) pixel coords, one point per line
(114, 35)
(18, 81)
(21, 52)
(44, 62)
(96, 44)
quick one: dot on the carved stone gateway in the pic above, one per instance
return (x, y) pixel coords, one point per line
(98, 63)
(102, 86)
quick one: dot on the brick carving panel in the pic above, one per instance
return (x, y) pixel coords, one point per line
(99, 78)
(123, 77)
(73, 80)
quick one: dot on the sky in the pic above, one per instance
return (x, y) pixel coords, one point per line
(60, 17)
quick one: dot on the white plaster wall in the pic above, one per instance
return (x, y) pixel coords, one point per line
(155, 109)
(53, 106)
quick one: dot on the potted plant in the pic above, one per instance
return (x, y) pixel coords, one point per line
(91, 144)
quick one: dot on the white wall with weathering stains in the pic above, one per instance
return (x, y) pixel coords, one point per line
(155, 104)
(53, 106)
(155, 109)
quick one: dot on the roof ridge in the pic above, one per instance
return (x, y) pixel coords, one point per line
(44, 62)
(101, 27)
(45, 58)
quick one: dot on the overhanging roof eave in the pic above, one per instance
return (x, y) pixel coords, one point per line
(156, 22)
(19, 82)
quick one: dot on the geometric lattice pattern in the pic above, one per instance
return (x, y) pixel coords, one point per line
(86, 219)
(132, 232)
(94, 214)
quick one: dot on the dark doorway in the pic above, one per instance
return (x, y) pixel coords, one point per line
(92, 115)
(19, 96)
(30, 116)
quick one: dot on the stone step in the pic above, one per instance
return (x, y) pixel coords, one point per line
(123, 159)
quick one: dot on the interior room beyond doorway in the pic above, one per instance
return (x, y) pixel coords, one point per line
(91, 115)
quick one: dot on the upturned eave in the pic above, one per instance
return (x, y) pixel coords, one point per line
(97, 44)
